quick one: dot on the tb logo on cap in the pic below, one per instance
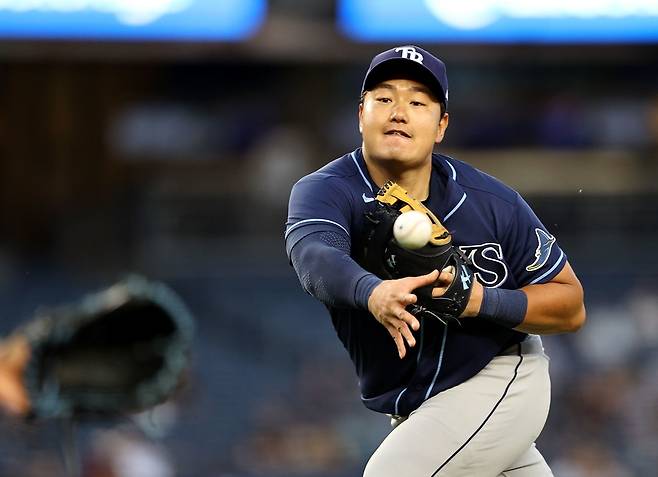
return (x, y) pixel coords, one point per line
(410, 53)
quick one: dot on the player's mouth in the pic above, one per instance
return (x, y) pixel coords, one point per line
(397, 132)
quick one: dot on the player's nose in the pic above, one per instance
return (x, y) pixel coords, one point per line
(398, 115)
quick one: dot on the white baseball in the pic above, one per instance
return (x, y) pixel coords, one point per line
(412, 229)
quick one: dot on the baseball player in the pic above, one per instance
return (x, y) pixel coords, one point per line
(469, 397)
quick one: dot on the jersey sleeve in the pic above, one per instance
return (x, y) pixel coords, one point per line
(318, 244)
(316, 204)
(530, 250)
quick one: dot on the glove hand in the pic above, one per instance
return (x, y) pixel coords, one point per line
(386, 258)
(475, 300)
(388, 302)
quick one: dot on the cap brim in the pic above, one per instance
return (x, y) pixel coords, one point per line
(403, 68)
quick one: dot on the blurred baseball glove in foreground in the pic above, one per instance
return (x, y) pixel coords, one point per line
(120, 350)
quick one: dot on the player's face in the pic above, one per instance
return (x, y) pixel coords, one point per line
(400, 120)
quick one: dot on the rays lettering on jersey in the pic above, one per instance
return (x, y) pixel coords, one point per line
(487, 259)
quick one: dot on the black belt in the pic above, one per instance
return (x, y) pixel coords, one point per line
(531, 345)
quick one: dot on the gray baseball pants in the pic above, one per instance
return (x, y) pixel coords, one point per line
(485, 427)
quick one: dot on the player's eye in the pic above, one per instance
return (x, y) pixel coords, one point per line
(383, 99)
(417, 103)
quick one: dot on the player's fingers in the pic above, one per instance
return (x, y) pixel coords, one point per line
(398, 340)
(444, 281)
(422, 280)
(408, 336)
(408, 299)
(446, 276)
(407, 318)
(438, 291)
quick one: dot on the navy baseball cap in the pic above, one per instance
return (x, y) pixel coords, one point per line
(409, 60)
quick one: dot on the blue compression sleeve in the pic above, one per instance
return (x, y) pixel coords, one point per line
(504, 307)
(326, 271)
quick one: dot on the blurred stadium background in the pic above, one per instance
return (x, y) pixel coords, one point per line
(163, 137)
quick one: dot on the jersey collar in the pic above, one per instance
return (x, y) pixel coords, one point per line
(360, 162)
(445, 182)
(445, 192)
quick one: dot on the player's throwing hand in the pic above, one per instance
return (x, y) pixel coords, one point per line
(387, 304)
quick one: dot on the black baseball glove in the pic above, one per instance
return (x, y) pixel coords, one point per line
(117, 351)
(387, 259)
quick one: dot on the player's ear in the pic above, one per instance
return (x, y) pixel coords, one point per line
(441, 130)
(360, 117)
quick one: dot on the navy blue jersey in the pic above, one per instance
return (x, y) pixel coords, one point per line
(489, 221)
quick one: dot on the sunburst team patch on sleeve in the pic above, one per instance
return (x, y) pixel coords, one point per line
(543, 250)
